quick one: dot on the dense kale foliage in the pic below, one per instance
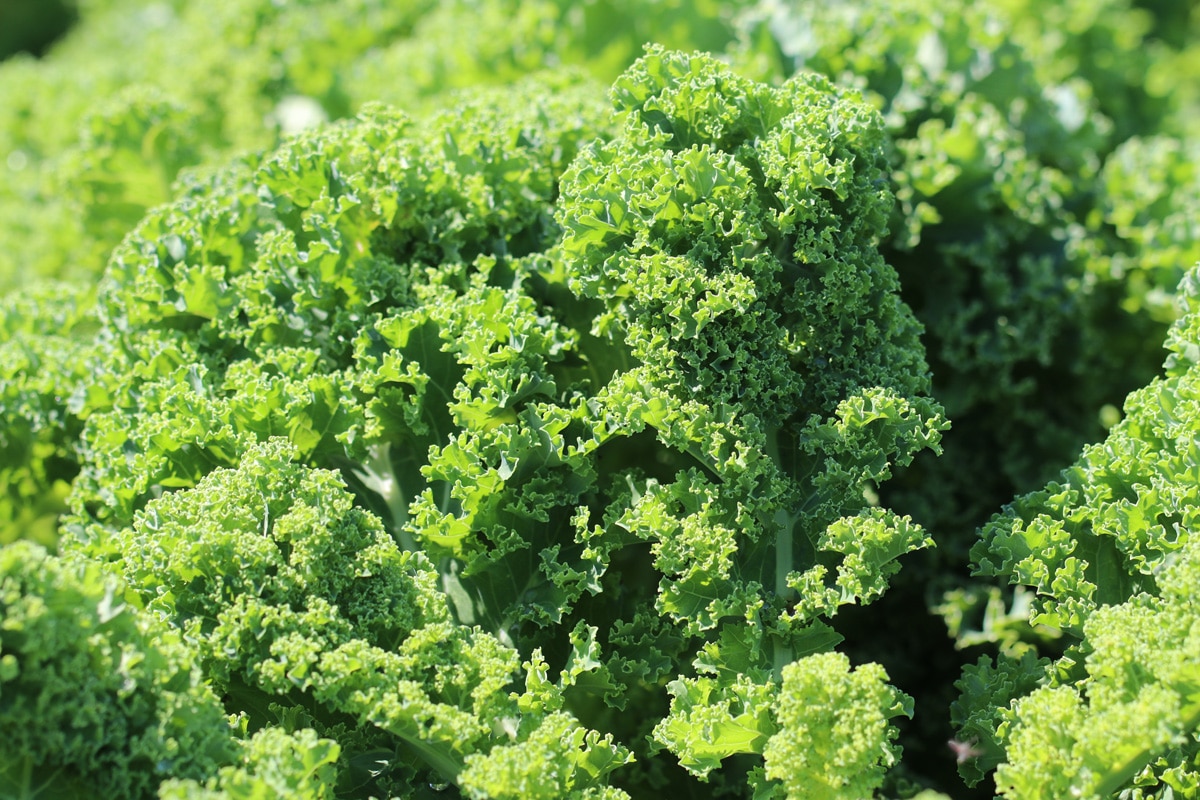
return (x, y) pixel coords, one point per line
(1037, 232)
(471, 399)
(594, 434)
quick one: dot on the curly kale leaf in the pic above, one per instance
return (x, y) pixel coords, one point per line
(1129, 726)
(96, 695)
(1099, 535)
(1109, 551)
(727, 239)
(729, 235)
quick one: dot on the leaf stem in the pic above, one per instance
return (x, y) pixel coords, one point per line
(785, 524)
(378, 474)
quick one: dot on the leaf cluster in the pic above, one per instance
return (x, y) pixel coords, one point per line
(396, 422)
(443, 425)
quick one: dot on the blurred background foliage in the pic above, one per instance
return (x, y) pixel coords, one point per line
(31, 26)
